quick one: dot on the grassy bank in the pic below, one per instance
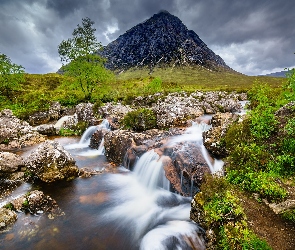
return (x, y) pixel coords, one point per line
(38, 91)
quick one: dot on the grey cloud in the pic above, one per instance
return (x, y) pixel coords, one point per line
(262, 32)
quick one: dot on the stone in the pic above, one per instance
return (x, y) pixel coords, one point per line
(10, 162)
(36, 202)
(46, 129)
(7, 217)
(51, 162)
(15, 133)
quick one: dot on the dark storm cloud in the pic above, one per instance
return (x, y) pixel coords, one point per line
(251, 36)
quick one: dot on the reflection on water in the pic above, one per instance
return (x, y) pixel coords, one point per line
(107, 211)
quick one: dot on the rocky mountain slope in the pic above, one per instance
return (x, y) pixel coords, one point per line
(162, 40)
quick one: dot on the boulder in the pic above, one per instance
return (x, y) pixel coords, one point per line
(97, 137)
(46, 129)
(212, 139)
(38, 118)
(50, 162)
(10, 162)
(15, 133)
(185, 169)
(7, 217)
(117, 143)
(84, 112)
(36, 202)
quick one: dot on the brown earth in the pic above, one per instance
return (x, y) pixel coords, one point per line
(279, 233)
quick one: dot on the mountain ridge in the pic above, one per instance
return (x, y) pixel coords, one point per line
(162, 40)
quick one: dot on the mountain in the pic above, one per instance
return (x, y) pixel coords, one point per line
(279, 74)
(162, 40)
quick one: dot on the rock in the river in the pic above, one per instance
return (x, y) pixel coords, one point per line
(186, 167)
(10, 162)
(15, 133)
(7, 217)
(36, 202)
(212, 138)
(50, 162)
(119, 141)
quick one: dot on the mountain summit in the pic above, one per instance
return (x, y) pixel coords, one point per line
(162, 40)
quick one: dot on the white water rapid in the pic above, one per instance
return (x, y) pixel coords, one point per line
(85, 141)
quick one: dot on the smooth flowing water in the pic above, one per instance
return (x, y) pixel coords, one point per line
(122, 210)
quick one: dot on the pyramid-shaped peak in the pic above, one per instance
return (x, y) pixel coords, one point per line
(162, 40)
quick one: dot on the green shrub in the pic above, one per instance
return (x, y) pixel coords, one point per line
(289, 215)
(140, 120)
(240, 237)
(262, 183)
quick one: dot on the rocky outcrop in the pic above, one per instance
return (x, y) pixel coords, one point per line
(286, 110)
(50, 162)
(15, 133)
(7, 217)
(43, 117)
(175, 110)
(10, 162)
(161, 40)
(212, 139)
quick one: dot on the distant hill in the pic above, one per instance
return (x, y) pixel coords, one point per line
(162, 40)
(278, 74)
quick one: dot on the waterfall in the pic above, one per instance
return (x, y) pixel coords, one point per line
(149, 170)
(85, 141)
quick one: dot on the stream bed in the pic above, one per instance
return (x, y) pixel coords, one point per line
(122, 210)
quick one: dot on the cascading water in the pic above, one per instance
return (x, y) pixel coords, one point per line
(83, 145)
(149, 170)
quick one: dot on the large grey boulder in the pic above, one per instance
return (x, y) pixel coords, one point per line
(51, 162)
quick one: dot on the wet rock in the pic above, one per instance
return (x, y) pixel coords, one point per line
(36, 202)
(88, 172)
(10, 162)
(212, 138)
(119, 141)
(50, 162)
(124, 146)
(186, 169)
(7, 217)
(15, 133)
(97, 137)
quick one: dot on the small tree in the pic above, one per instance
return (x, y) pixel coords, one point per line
(11, 75)
(82, 61)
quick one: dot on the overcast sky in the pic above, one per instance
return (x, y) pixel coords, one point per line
(252, 36)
